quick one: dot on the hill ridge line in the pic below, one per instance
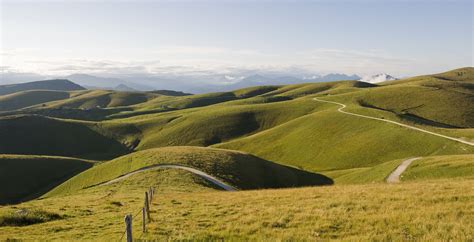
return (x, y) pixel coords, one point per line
(393, 122)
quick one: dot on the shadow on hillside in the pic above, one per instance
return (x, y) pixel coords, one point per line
(251, 172)
(95, 114)
(231, 126)
(39, 177)
(410, 117)
(299, 178)
(36, 135)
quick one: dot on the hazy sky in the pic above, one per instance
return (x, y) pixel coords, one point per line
(362, 37)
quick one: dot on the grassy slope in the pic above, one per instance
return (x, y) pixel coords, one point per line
(46, 136)
(193, 127)
(374, 174)
(446, 98)
(206, 126)
(238, 169)
(55, 84)
(201, 100)
(261, 111)
(329, 140)
(25, 99)
(427, 168)
(438, 167)
(431, 210)
(26, 177)
(446, 107)
(228, 119)
(103, 99)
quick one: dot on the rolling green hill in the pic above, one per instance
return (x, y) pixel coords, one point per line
(328, 140)
(170, 93)
(25, 99)
(361, 175)
(38, 135)
(440, 167)
(431, 100)
(56, 84)
(239, 169)
(102, 99)
(25, 177)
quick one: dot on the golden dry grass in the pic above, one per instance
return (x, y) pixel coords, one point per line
(429, 210)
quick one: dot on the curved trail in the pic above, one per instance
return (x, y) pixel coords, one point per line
(394, 177)
(393, 122)
(202, 174)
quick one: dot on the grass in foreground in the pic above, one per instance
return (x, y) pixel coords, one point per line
(429, 210)
(26, 217)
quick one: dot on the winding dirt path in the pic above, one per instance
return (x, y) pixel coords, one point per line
(393, 122)
(202, 174)
(394, 177)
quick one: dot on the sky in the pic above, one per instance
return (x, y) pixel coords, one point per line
(401, 38)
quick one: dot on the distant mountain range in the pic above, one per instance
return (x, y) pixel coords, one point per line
(188, 84)
(378, 78)
(260, 80)
(95, 82)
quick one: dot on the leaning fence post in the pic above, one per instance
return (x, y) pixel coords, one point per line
(143, 220)
(128, 227)
(147, 206)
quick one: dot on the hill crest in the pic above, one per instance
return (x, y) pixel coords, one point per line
(53, 84)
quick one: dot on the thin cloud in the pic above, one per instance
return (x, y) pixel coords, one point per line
(189, 60)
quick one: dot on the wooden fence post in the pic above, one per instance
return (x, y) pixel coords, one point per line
(147, 206)
(143, 220)
(151, 194)
(128, 227)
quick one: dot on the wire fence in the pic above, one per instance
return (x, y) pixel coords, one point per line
(145, 211)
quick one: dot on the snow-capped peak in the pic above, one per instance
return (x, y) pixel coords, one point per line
(378, 78)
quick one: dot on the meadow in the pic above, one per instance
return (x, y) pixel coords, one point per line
(185, 207)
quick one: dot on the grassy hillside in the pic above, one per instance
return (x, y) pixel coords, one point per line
(57, 84)
(312, 135)
(430, 210)
(25, 177)
(439, 167)
(238, 169)
(373, 174)
(37, 135)
(329, 140)
(211, 125)
(25, 99)
(170, 93)
(201, 100)
(102, 99)
(427, 168)
(443, 100)
(437, 106)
